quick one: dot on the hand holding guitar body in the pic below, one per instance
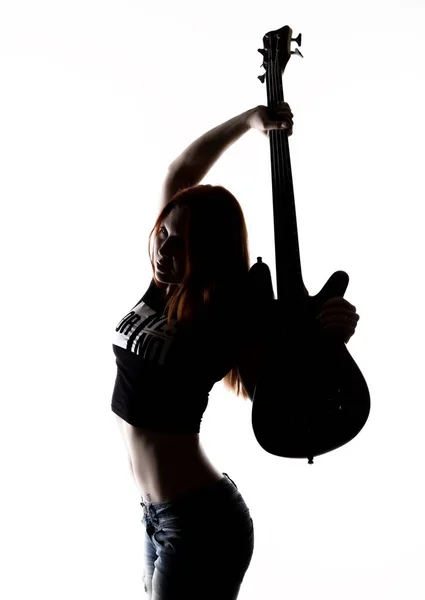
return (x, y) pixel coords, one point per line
(337, 314)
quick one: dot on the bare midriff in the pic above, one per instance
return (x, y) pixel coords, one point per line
(166, 465)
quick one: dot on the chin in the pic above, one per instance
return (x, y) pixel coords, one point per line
(163, 278)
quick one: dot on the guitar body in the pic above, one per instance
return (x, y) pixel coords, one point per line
(310, 397)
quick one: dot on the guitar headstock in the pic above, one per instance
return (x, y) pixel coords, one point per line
(277, 49)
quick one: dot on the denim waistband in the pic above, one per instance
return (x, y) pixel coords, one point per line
(193, 497)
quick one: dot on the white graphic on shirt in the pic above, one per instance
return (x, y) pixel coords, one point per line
(144, 332)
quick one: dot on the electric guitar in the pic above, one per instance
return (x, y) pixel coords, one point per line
(310, 397)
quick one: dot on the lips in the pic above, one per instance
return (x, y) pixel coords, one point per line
(162, 265)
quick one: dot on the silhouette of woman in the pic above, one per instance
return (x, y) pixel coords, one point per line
(189, 330)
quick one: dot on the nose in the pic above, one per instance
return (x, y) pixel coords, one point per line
(166, 251)
(164, 256)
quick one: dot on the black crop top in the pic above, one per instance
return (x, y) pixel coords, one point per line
(164, 376)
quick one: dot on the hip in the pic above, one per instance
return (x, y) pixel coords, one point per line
(204, 512)
(199, 545)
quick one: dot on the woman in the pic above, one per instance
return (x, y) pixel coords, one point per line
(188, 331)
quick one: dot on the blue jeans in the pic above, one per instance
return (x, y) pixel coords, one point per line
(199, 545)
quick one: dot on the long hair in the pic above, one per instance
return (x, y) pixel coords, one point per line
(217, 258)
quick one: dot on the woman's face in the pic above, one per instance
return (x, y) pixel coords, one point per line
(169, 248)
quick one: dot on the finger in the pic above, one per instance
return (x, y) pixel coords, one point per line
(279, 125)
(338, 301)
(282, 124)
(284, 109)
(284, 117)
(338, 309)
(279, 110)
(341, 318)
(281, 114)
(338, 327)
(283, 106)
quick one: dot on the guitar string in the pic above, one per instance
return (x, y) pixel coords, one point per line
(280, 152)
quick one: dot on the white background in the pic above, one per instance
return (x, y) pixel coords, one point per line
(98, 97)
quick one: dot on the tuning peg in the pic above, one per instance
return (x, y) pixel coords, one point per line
(296, 51)
(262, 77)
(297, 39)
(263, 52)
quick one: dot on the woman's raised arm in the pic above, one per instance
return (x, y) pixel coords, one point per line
(191, 166)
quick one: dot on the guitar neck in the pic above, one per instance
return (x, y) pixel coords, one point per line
(290, 285)
(288, 261)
